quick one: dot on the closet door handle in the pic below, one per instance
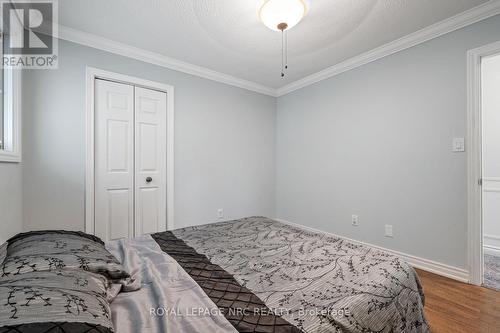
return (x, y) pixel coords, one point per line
(149, 180)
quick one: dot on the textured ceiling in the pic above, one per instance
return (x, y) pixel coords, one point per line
(227, 36)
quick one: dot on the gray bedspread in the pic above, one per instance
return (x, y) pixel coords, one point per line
(169, 300)
(317, 282)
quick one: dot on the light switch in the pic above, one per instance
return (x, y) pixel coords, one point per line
(458, 145)
(388, 230)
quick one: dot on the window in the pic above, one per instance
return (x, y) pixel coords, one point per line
(10, 138)
(1, 109)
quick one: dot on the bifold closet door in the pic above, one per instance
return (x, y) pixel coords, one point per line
(114, 160)
(150, 161)
(130, 160)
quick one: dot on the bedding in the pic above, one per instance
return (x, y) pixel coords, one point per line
(165, 286)
(3, 252)
(58, 281)
(55, 250)
(241, 307)
(247, 275)
(54, 296)
(313, 281)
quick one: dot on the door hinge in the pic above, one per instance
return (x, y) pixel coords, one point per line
(480, 181)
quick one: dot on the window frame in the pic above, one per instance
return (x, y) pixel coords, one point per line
(11, 108)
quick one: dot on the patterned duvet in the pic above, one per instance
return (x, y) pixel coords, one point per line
(258, 274)
(317, 282)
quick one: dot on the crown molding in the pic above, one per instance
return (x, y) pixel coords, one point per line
(108, 45)
(453, 23)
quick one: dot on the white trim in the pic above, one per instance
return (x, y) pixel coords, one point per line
(91, 75)
(492, 237)
(13, 101)
(451, 272)
(492, 250)
(474, 160)
(491, 179)
(474, 214)
(125, 50)
(471, 16)
(89, 154)
(491, 189)
(456, 22)
(491, 245)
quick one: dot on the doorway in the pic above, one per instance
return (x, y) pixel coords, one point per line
(490, 116)
(483, 164)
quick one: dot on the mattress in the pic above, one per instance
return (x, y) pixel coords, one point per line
(260, 275)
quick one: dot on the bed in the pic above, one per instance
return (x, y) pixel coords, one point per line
(260, 275)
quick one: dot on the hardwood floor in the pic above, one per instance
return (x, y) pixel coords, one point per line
(455, 307)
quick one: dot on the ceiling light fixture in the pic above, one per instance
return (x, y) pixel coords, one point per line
(282, 15)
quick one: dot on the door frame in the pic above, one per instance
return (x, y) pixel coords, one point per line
(474, 160)
(91, 75)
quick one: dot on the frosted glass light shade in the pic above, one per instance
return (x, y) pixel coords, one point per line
(274, 12)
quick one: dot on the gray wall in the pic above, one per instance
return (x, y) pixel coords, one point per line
(376, 142)
(11, 221)
(224, 143)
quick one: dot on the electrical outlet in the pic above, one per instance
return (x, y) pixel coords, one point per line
(220, 213)
(388, 230)
(355, 220)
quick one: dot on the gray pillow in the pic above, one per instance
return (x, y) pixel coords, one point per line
(57, 296)
(56, 250)
(3, 252)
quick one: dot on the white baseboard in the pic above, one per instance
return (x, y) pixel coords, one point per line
(491, 245)
(451, 272)
(491, 240)
(491, 250)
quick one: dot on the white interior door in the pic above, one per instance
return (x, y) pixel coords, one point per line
(150, 161)
(114, 160)
(130, 160)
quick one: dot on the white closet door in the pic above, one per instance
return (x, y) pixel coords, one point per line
(114, 160)
(150, 161)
